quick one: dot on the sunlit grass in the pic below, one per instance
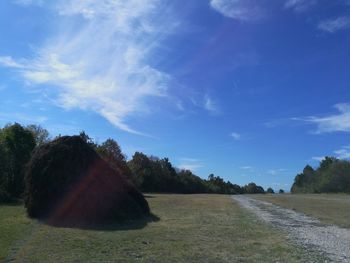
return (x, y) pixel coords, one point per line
(192, 228)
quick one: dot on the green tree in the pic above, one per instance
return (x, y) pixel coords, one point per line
(270, 191)
(18, 144)
(142, 172)
(40, 134)
(252, 188)
(110, 151)
(4, 196)
(326, 163)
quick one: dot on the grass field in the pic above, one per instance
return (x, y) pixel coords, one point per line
(191, 228)
(329, 208)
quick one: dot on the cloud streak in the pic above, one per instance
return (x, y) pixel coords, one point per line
(299, 5)
(236, 136)
(343, 153)
(190, 164)
(244, 10)
(102, 65)
(334, 25)
(211, 105)
(333, 123)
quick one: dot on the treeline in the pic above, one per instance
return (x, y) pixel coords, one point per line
(151, 174)
(148, 173)
(332, 176)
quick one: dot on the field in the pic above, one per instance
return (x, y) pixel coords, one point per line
(191, 228)
(328, 208)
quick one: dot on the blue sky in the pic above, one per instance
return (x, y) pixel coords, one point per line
(248, 90)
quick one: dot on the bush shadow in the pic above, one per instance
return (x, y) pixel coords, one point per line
(149, 196)
(131, 224)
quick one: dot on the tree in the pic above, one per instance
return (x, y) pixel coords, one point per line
(252, 188)
(306, 181)
(336, 179)
(332, 176)
(86, 138)
(270, 191)
(110, 151)
(17, 145)
(327, 162)
(142, 172)
(40, 134)
(281, 191)
(4, 195)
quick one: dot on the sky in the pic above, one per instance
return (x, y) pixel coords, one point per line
(250, 90)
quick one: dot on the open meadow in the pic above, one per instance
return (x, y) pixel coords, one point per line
(328, 208)
(186, 228)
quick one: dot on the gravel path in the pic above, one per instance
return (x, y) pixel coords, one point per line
(331, 241)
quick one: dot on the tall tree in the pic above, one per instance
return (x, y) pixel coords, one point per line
(110, 151)
(18, 144)
(40, 134)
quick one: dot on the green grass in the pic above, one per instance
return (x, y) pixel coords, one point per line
(14, 227)
(192, 228)
(329, 208)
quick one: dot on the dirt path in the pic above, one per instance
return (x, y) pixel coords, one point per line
(331, 241)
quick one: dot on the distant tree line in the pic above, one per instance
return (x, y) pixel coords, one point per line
(332, 176)
(148, 173)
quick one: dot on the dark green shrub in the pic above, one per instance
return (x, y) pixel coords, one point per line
(67, 182)
(4, 196)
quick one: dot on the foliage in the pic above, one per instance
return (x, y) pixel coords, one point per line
(16, 146)
(110, 151)
(252, 188)
(281, 191)
(40, 134)
(332, 176)
(67, 182)
(270, 191)
(4, 196)
(152, 174)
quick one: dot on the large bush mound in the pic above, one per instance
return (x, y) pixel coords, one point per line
(67, 182)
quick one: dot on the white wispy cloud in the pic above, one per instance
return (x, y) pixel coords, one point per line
(7, 61)
(244, 10)
(333, 123)
(191, 164)
(299, 5)
(103, 65)
(334, 25)
(29, 2)
(318, 158)
(211, 105)
(22, 118)
(247, 167)
(276, 171)
(343, 153)
(236, 136)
